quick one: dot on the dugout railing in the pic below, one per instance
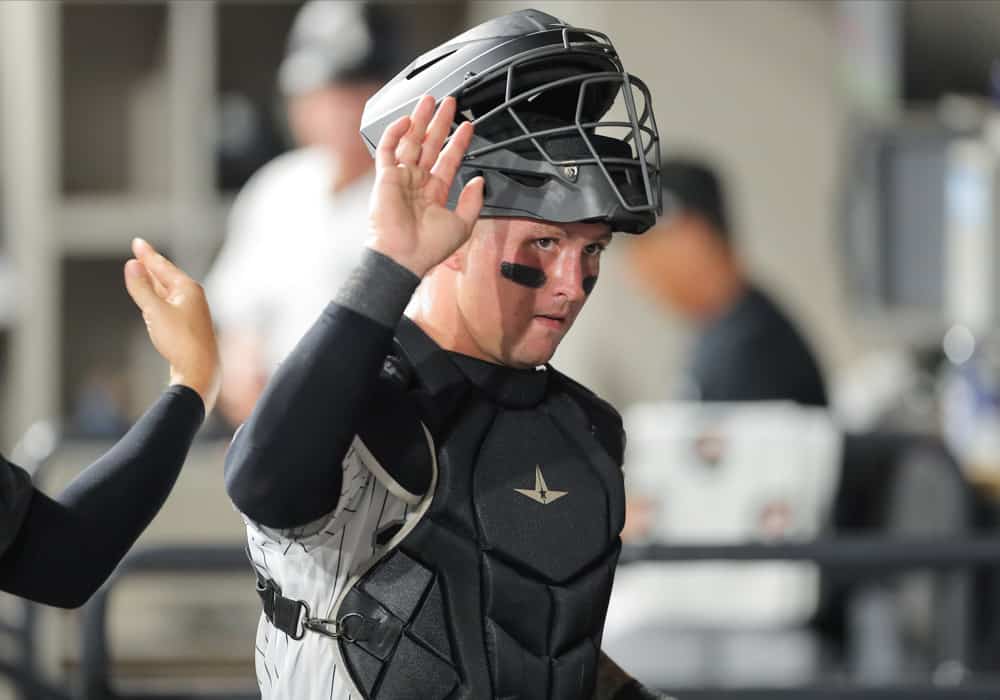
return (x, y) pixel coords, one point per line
(856, 557)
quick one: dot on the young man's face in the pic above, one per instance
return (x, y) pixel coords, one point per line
(683, 263)
(523, 282)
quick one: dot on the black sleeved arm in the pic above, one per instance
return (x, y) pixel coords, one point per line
(283, 469)
(15, 498)
(66, 547)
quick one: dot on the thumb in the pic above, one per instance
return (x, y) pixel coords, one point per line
(140, 287)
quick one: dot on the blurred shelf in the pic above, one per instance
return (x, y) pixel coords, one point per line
(115, 97)
(105, 224)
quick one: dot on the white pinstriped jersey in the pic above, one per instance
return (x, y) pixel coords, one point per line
(313, 565)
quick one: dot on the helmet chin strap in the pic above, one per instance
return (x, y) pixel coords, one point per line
(534, 278)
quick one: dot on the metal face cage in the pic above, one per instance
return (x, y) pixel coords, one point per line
(636, 128)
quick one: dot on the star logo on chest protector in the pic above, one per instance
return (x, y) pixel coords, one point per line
(541, 493)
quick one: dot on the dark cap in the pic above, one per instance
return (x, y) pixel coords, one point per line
(340, 41)
(693, 186)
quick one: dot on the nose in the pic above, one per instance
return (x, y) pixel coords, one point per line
(567, 275)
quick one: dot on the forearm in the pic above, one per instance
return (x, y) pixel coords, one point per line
(283, 468)
(68, 546)
(615, 684)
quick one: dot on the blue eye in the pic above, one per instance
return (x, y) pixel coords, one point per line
(594, 249)
(545, 243)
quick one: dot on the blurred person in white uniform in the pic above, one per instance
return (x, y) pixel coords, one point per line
(296, 229)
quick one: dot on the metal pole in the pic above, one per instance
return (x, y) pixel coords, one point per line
(880, 554)
(191, 75)
(29, 148)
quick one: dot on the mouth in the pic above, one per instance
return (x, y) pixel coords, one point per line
(551, 321)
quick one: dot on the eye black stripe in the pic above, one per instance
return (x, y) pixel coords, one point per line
(523, 274)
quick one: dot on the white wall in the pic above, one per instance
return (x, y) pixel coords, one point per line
(751, 85)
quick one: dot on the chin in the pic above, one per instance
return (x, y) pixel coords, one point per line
(527, 359)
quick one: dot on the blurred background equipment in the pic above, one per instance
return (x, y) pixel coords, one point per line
(922, 243)
(770, 473)
(724, 472)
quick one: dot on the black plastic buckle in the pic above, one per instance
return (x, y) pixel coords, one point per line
(279, 611)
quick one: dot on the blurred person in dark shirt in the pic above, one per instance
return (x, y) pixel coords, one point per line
(748, 349)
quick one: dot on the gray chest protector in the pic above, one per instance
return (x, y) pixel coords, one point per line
(500, 588)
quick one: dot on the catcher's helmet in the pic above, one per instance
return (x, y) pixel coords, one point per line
(540, 94)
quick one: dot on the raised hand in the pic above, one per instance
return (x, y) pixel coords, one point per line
(177, 319)
(409, 219)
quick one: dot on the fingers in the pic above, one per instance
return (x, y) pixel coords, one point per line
(140, 287)
(470, 201)
(417, 139)
(450, 158)
(410, 145)
(141, 249)
(161, 269)
(385, 154)
(437, 132)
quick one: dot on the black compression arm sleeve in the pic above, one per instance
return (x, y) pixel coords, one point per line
(67, 547)
(283, 469)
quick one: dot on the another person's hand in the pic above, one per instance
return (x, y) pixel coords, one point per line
(178, 320)
(410, 221)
